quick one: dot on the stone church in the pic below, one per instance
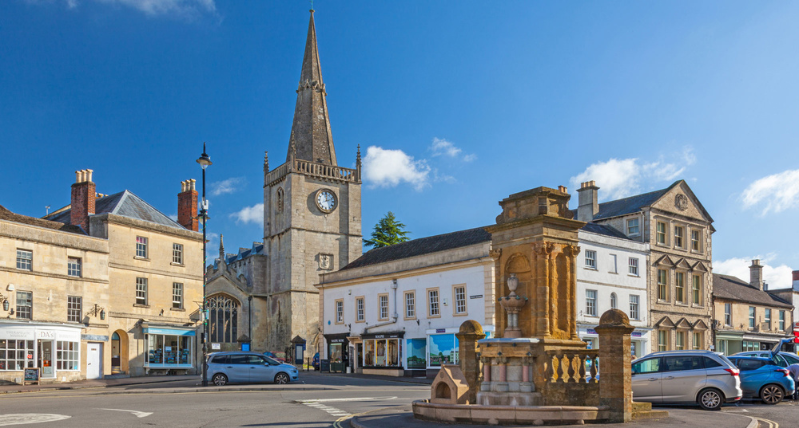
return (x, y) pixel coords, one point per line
(265, 295)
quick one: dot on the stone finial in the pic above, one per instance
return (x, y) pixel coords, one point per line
(266, 161)
(222, 247)
(614, 318)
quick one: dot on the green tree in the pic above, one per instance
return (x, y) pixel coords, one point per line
(388, 231)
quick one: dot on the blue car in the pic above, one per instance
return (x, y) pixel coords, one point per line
(248, 367)
(763, 378)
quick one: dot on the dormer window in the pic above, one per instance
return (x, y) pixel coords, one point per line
(633, 228)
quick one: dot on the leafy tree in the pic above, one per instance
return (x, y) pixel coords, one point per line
(388, 231)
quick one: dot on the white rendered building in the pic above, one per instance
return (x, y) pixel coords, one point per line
(395, 310)
(611, 274)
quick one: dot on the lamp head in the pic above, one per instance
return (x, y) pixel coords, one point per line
(204, 159)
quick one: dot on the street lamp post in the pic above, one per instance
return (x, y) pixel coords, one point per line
(204, 161)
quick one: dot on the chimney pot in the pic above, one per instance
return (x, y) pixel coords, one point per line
(796, 275)
(756, 275)
(82, 201)
(187, 205)
(588, 206)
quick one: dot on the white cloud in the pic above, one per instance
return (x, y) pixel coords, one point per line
(253, 214)
(619, 178)
(442, 147)
(388, 168)
(226, 186)
(777, 192)
(154, 7)
(775, 276)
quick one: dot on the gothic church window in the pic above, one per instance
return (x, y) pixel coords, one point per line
(222, 319)
(280, 200)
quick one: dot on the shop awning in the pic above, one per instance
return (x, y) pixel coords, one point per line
(729, 335)
(169, 331)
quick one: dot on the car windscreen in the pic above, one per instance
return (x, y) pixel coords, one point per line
(271, 361)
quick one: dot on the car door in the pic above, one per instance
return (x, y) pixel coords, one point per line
(752, 375)
(646, 378)
(260, 369)
(238, 368)
(683, 377)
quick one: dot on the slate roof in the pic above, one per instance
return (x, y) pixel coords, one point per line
(125, 204)
(421, 246)
(600, 229)
(732, 288)
(244, 253)
(5, 214)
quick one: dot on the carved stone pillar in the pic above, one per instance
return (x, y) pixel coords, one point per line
(543, 290)
(574, 250)
(554, 250)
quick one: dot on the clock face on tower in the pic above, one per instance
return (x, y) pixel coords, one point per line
(326, 200)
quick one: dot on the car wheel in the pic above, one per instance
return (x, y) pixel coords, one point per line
(711, 399)
(771, 394)
(219, 379)
(281, 378)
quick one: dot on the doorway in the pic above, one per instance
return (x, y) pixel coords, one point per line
(94, 361)
(46, 359)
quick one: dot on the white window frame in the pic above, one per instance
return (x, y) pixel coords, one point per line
(433, 303)
(177, 254)
(141, 291)
(591, 303)
(590, 259)
(74, 267)
(614, 301)
(633, 229)
(632, 266)
(752, 317)
(696, 242)
(25, 260)
(177, 295)
(360, 308)
(339, 310)
(635, 309)
(141, 247)
(410, 304)
(459, 300)
(382, 306)
(74, 308)
(679, 238)
(728, 314)
(664, 234)
(613, 264)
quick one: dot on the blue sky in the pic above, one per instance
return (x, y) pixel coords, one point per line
(456, 105)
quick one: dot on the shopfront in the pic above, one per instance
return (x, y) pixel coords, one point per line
(639, 340)
(383, 351)
(337, 352)
(168, 349)
(53, 348)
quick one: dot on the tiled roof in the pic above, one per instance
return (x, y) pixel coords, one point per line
(244, 253)
(732, 288)
(630, 205)
(125, 204)
(600, 229)
(5, 214)
(421, 246)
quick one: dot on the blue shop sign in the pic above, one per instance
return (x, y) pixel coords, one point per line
(169, 331)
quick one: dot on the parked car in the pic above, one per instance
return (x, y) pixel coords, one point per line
(700, 377)
(783, 359)
(274, 357)
(248, 367)
(763, 378)
(315, 361)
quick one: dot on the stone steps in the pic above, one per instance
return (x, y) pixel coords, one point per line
(643, 411)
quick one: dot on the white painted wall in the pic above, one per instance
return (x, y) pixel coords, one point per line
(606, 280)
(472, 274)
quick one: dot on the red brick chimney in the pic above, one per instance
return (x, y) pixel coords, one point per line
(187, 205)
(83, 197)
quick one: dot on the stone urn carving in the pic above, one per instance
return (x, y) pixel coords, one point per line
(513, 303)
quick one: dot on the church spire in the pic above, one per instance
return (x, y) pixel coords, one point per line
(311, 139)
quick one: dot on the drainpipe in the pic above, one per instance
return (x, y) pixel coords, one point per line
(394, 316)
(249, 321)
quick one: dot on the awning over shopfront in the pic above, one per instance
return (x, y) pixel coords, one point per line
(172, 331)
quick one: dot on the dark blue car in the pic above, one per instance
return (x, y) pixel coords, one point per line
(763, 378)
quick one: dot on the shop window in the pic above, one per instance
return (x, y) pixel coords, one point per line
(25, 305)
(382, 352)
(460, 300)
(74, 305)
(177, 295)
(168, 349)
(416, 353)
(369, 353)
(73, 266)
(443, 349)
(141, 247)
(14, 354)
(25, 260)
(222, 319)
(67, 355)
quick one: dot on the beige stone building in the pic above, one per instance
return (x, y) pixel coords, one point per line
(53, 277)
(747, 316)
(679, 231)
(312, 225)
(107, 285)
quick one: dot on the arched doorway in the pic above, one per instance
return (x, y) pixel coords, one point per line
(119, 352)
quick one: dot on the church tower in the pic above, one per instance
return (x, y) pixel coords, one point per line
(312, 212)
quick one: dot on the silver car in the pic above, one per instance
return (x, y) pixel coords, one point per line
(702, 377)
(248, 367)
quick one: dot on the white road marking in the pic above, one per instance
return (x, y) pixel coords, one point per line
(136, 413)
(341, 414)
(29, 418)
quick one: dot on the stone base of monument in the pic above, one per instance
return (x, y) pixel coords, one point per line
(506, 415)
(510, 398)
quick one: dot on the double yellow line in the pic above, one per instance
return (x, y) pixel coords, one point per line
(769, 423)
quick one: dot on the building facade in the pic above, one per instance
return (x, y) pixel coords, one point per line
(612, 274)
(396, 309)
(748, 317)
(679, 232)
(790, 295)
(106, 285)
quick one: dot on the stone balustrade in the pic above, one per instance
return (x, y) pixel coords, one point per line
(328, 172)
(571, 366)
